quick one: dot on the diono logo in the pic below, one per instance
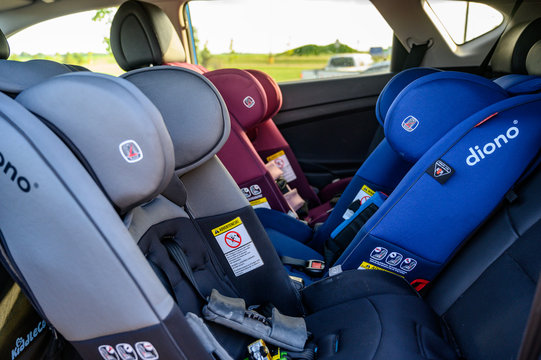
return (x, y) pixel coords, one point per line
(477, 153)
(11, 172)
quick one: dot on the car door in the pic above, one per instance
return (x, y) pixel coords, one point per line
(331, 124)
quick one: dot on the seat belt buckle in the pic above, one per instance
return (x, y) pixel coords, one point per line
(258, 350)
(315, 267)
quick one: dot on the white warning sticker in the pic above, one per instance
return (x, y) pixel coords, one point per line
(364, 194)
(237, 246)
(260, 203)
(280, 159)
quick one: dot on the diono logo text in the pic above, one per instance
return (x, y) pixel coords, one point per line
(477, 153)
(11, 172)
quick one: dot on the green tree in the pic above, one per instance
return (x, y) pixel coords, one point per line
(205, 56)
(106, 16)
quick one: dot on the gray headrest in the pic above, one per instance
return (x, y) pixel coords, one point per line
(143, 35)
(533, 60)
(116, 132)
(512, 50)
(193, 110)
(4, 46)
(15, 76)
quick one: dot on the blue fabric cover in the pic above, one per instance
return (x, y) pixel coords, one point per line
(516, 84)
(438, 102)
(395, 86)
(382, 171)
(427, 221)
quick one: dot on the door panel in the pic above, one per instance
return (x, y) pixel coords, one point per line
(331, 124)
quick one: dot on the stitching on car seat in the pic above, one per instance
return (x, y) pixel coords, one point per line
(381, 325)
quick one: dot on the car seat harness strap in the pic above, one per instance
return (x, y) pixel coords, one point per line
(281, 330)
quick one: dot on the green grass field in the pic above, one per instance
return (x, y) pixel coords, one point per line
(281, 67)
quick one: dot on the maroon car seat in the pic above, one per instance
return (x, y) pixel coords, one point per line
(247, 104)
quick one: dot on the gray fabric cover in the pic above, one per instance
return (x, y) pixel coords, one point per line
(511, 52)
(4, 46)
(70, 247)
(95, 114)
(143, 217)
(143, 35)
(15, 76)
(193, 110)
(211, 190)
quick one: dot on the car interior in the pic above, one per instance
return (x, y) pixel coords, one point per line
(183, 210)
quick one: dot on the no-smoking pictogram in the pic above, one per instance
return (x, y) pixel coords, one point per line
(364, 198)
(280, 163)
(232, 239)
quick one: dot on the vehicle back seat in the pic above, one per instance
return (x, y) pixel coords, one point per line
(461, 308)
(86, 239)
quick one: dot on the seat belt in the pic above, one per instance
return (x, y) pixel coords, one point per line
(484, 65)
(214, 306)
(416, 55)
(177, 254)
(530, 348)
(310, 267)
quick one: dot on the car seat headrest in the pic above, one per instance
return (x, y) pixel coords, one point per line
(512, 50)
(395, 86)
(243, 94)
(272, 92)
(114, 130)
(15, 76)
(192, 109)
(533, 59)
(143, 35)
(432, 105)
(4, 46)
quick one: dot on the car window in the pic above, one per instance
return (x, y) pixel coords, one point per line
(463, 21)
(291, 39)
(77, 39)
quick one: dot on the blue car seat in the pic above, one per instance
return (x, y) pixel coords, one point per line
(453, 187)
(392, 158)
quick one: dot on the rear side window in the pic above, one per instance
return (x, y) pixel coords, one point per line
(291, 40)
(463, 21)
(76, 39)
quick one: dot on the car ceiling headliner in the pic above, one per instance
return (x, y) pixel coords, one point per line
(16, 15)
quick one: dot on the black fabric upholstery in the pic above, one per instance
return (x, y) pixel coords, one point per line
(143, 35)
(268, 283)
(510, 55)
(486, 292)
(373, 315)
(208, 274)
(4, 46)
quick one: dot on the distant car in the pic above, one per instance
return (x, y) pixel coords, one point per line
(379, 67)
(341, 65)
(349, 62)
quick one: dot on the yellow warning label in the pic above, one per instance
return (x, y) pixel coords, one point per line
(275, 156)
(258, 201)
(369, 266)
(367, 190)
(227, 226)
